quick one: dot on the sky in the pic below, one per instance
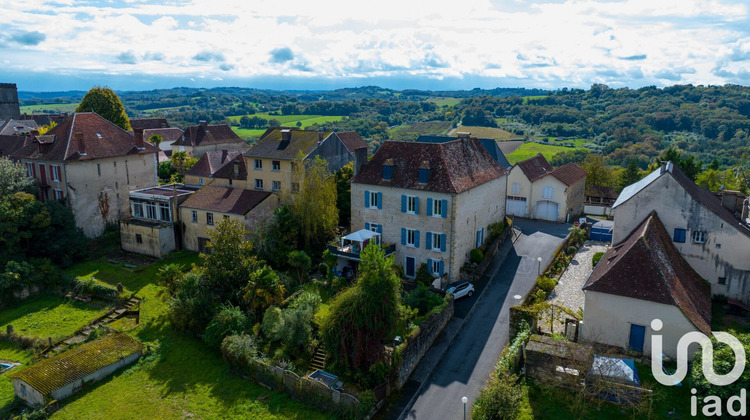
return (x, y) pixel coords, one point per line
(399, 44)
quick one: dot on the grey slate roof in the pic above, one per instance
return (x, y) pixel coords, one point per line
(17, 127)
(491, 145)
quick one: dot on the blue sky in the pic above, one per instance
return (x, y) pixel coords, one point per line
(435, 44)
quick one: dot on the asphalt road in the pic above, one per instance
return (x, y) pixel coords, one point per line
(466, 365)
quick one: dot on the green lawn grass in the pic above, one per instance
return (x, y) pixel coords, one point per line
(180, 378)
(489, 132)
(444, 101)
(526, 98)
(50, 316)
(249, 133)
(528, 150)
(39, 109)
(9, 352)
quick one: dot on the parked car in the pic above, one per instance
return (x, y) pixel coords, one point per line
(460, 289)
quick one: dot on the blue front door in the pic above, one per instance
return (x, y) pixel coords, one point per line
(410, 267)
(637, 335)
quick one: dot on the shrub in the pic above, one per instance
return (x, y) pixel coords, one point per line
(422, 299)
(571, 250)
(501, 399)
(92, 287)
(540, 295)
(423, 275)
(230, 320)
(723, 362)
(497, 228)
(272, 324)
(324, 269)
(238, 350)
(595, 259)
(476, 255)
(547, 284)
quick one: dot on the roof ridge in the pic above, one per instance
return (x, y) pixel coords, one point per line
(70, 136)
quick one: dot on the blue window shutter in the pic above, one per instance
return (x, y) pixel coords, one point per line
(445, 208)
(403, 236)
(380, 228)
(429, 265)
(416, 239)
(441, 268)
(367, 198)
(403, 203)
(416, 205)
(442, 242)
(380, 200)
(679, 235)
(429, 207)
(476, 245)
(428, 240)
(367, 226)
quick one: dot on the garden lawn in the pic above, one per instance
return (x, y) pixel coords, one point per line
(50, 316)
(528, 150)
(249, 133)
(9, 352)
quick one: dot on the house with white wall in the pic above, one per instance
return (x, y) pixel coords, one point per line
(435, 201)
(709, 236)
(640, 279)
(536, 190)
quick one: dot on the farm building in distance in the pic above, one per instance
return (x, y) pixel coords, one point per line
(63, 375)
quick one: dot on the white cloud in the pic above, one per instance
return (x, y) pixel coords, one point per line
(550, 43)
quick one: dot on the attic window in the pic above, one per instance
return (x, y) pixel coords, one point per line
(99, 135)
(424, 175)
(388, 169)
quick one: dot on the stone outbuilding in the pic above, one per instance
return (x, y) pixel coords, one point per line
(60, 376)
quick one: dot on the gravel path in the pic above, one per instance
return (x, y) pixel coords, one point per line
(568, 292)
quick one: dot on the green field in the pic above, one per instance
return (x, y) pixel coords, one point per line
(528, 150)
(180, 378)
(410, 132)
(50, 316)
(53, 108)
(292, 120)
(489, 132)
(526, 98)
(444, 101)
(248, 133)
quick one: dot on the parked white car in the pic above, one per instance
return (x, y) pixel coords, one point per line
(460, 289)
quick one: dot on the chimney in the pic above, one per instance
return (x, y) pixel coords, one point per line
(286, 134)
(81, 144)
(360, 158)
(320, 135)
(138, 138)
(203, 124)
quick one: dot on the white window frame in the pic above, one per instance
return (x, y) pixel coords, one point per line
(437, 207)
(411, 204)
(435, 267)
(58, 194)
(516, 188)
(55, 172)
(210, 219)
(374, 227)
(548, 192)
(276, 165)
(194, 216)
(258, 164)
(373, 200)
(151, 212)
(411, 237)
(698, 237)
(437, 238)
(162, 208)
(30, 170)
(276, 185)
(258, 184)
(136, 208)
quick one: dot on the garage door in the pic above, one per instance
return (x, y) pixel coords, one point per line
(547, 210)
(515, 206)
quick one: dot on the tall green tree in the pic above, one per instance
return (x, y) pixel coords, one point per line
(313, 206)
(631, 175)
(105, 102)
(597, 172)
(343, 193)
(364, 316)
(13, 178)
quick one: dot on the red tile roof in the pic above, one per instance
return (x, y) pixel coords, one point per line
(647, 266)
(167, 134)
(199, 135)
(455, 166)
(83, 136)
(11, 144)
(351, 140)
(535, 167)
(569, 174)
(225, 200)
(220, 164)
(148, 123)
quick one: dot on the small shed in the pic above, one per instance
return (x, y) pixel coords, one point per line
(548, 359)
(60, 376)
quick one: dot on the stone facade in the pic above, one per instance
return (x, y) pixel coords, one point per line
(720, 251)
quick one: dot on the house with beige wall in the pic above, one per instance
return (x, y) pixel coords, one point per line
(536, 190)
(90, 165)
(709, 236)
(270, 161)
(220, 168)
(209, 205)
(641, 279)
(435, 201)
(199, 139)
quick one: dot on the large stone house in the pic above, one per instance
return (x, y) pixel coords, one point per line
(435, 201)
(538, 191)
(202, 138)
(708, 235)
(640, 279)
(270, 160)
(91, 165)
(210, 204)
(221, 168)
(490, 144)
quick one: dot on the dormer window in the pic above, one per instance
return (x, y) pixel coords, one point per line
(424, 175)
(388, 169)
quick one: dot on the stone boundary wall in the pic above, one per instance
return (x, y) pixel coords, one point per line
(489, 255)
(420, 341)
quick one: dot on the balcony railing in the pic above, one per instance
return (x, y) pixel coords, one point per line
(352, 253)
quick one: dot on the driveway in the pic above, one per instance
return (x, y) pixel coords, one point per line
(471, 357)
